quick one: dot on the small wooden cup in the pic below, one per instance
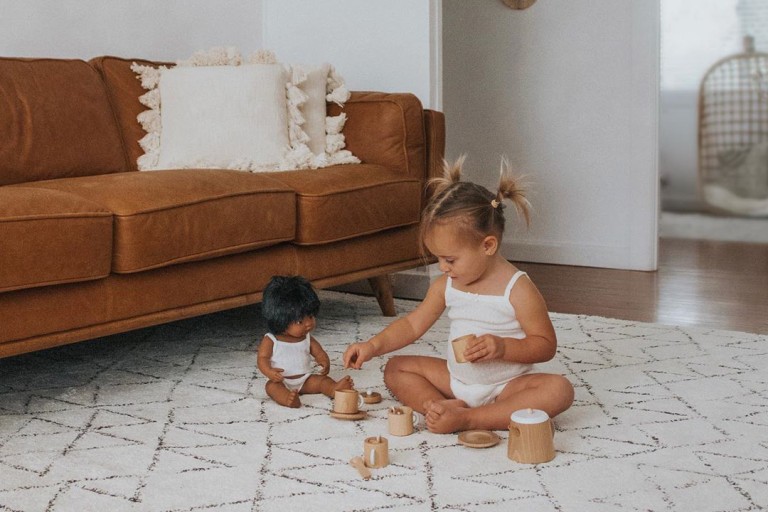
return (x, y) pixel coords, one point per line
(347, 401)
(376, 452)
(459, 346)
(401, 421)
(531, 437)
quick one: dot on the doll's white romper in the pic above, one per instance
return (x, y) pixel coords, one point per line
(479, 383)
(294, 359)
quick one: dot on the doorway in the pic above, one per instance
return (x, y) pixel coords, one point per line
(695, 34)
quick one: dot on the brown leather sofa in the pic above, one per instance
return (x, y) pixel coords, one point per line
(89, 246)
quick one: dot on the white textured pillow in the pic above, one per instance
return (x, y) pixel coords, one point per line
(231, 117)
(324, 135)
(207, 119)
(230, 155)
(314, 108)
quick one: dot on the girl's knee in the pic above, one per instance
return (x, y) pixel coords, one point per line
(563, 389)
(393, 366)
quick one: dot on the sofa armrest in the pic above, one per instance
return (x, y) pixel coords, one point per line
(386, 129)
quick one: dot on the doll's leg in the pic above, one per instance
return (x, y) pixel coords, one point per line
(418, 380)
(550, 393)
(325, 385)
(282, 395)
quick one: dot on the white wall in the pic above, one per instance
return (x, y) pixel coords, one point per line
(151, 29)
(568, 91)
(382, 46)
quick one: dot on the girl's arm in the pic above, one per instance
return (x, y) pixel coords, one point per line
(320, 355)
(540, 342)
(402, 331)
(263, 361)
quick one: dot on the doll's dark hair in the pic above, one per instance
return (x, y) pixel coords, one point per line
(477, 211)
(288, 299)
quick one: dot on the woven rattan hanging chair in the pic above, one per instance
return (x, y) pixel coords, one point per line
(733, 134)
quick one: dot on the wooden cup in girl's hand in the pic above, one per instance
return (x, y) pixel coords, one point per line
(459, 346)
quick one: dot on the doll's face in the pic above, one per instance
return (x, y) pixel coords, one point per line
(301, 328)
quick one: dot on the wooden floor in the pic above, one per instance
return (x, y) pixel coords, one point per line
(721, 285)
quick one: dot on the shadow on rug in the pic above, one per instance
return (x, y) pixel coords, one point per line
(175, 418)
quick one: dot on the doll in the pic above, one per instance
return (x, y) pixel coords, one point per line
(290, 306)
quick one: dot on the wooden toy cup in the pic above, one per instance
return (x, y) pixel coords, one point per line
(376, 452)
(531, 437)
(401, 421)
(459, 346)
(347, 401)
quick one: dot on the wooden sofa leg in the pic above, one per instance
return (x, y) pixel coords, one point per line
(382, 287)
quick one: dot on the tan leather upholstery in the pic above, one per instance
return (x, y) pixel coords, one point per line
(386, 129)
(91, 247)
(345, 201)
(55, 121)
(124, 90)
(121, 300)
(168, 217)
(323, 261)
(49, 237)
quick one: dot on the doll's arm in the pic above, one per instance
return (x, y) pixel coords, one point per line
(401, 332)
(320, 356)
(263, 361)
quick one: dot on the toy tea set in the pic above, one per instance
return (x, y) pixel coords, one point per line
(531, 432)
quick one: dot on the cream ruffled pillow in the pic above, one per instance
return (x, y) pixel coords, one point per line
(323, 134)
(233, 113)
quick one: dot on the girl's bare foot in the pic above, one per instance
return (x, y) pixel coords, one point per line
(454, 402)
(282, 395)
(447, 416)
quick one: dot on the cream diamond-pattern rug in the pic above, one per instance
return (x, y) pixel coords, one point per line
(175, 418)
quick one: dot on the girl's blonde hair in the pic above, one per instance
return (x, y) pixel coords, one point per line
(475, 209)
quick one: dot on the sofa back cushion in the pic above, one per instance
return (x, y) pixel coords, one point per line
(56, 121)
(124, 89)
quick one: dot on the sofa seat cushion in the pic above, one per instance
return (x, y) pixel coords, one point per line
(347, 201)
(168, 217)
(51, 237)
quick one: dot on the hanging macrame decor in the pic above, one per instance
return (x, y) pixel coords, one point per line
(733, 134)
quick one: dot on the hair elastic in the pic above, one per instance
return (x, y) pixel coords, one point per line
(495, 203)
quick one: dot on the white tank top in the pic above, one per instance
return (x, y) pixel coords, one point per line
(293, 358)
(471, 313)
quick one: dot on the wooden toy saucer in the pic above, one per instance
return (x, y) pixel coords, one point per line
(479, 438)
(347, 416)
(373, 398)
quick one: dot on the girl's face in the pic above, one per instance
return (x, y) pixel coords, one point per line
(463, 259)
(301, 328)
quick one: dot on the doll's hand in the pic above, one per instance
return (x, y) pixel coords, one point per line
(358, 353)
(325, 364)
(274, 374)
(484, 348)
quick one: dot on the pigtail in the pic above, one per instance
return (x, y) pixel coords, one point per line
(510, 187)
(451, 175)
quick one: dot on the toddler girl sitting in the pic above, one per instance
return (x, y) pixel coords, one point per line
(487, 298)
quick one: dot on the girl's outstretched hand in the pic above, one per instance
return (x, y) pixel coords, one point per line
(358, 353)
(484, 348)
